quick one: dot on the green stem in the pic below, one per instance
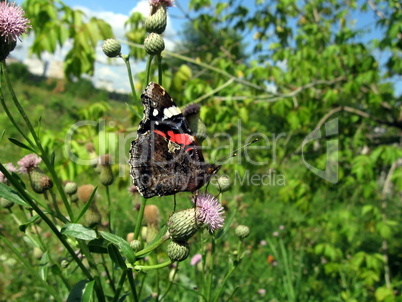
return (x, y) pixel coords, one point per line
(109, 210)
(222, 286)
(139, 218)
(132, 284)
(148, 71)
(149, 267)
(159, 58)
(153, 246)
(126, 59)
(42, 152)
(120, 286)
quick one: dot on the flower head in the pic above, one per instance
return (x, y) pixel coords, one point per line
(195, 259)
(209, 211)
(12, 21)
(10, 167)
(28, 162)
(166, 3)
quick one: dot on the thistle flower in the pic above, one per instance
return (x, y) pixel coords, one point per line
(12, 25)
(195, 259)
(10, 167)
(165, 3)
(209, 211)
(28, 162)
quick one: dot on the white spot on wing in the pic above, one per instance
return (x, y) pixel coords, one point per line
(155, 112)
(171, 111)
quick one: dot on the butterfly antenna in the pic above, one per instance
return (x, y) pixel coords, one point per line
(234, 153)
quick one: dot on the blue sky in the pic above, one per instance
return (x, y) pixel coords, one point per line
(116, 12)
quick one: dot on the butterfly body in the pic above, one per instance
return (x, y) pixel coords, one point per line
(165, 158)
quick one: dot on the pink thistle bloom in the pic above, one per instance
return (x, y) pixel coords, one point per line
(12, 21)
(10, 167)
(195, 259)
(166, 3)
(209, 211)
(262, 291)
(275, 234)
(263, 242)
(28, 162)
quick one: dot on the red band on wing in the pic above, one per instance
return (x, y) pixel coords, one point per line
(178, 138)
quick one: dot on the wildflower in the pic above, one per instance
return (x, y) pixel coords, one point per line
(28, 162)
(12, 25)
(262, 291)
(281, 227)
(209, 211)
(275, 234)
(165, 3)
(10, 168)
(263, 242)
(195, 259)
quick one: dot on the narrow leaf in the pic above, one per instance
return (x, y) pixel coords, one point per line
(87, 296)
(85, 208)
(77, 291)
(115, 256)
(25, 225)
(7, 193)
(20, 144)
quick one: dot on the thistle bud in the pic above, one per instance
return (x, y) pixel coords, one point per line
(84, 192)
(64, 263)
(154, 44)
(156, 22)
(223, 183)
(183, 225)
(40, 182)
(136, 245)
(70, 188)
(106, 174)
(5, 203)
(242, 231)
(111, 48)
(93, 216)
(178, 251)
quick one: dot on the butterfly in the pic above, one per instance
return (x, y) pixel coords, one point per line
(166, 158)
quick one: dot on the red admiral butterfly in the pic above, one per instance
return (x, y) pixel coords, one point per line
(165, 158)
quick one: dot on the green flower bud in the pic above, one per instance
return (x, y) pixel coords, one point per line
(70, 188)
(93, 216)
(111, 48)
(183, 225)
(223, 183)
(106, 175)
(37, 253)
(242, 231)
(136, 245)
(74, 197)
(40, 182)
(64, 263)
(178, 251)
(156, 23)
(154, 44)
(5, 203)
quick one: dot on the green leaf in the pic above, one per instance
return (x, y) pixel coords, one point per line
(7, 193)
(122, 244)
(98, 245)
(20, 144)
(43, 268)
(24, 226)
(77, 292)
(78, 231)
(115, 256)
(85, 208)
(88, 291)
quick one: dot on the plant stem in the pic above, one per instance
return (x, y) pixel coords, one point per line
(155, 266)
(126, 59)
(139, 218)
(120, 286)
(148, 71)
(132, 284)
(159, 58)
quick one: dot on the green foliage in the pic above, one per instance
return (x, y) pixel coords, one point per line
(274, 71)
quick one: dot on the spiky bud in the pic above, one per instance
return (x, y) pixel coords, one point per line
(93, 216)
(84, 192)
(70, 188)
(242, 231)
(136, 245)
(156, 23)
(106, 175)
(183, 225)
(40, 182)
(154, 44)
(178, 251)
(111, 48)
(5, 203)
